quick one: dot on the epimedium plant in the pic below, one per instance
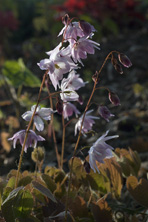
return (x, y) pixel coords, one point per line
(92, 189)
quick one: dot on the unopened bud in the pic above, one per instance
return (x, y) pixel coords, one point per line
(86, 166)
(85, 27)
(105, 112)
(65, 19)
(95, 77)
(117, 66)
(125, 61)
(114, 98)
(80, 100)
(59, 106)
(38, 154)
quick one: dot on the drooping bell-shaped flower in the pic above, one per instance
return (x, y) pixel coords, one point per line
(105, 112)
(41, 113)
(87, 123)
(82, 47)
(73, 30)
(100, 150)
(32, 139)
(69, 109)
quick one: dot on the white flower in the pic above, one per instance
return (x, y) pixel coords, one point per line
(100, 150)
(58, 64)
(41, 113)
(68, 94)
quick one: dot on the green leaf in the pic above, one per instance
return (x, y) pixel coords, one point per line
(97, 182)
(7, 209)
(46, 192)
(11, 182)
(49, 182)
(24, 181)
(17, 74)
(23, 204)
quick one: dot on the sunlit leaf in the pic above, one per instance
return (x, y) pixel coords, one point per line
(98, 182)
(18, 74)
(129, 161)
(23, 204)
(113, 171)
(11, 182)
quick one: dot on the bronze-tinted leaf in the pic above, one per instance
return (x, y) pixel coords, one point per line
(101, 211)
(113, 171)
(138, 190)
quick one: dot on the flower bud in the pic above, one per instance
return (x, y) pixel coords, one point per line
(65, 19)
(104, 112)
(38, 154)
(114, 99)
(85, 27)
(95, 76)
(59, 106)
(86, 166)
(80, 100)
(117, 66)
(125, 61)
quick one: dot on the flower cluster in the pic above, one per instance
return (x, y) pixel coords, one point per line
(61, 66)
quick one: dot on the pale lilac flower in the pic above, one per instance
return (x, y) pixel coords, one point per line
(73, 81)
(105, 112)
(41, 113)
(100, 150)
(69, 109)
(80, 48)
(87, 124)
(32, 138)
(58, 64)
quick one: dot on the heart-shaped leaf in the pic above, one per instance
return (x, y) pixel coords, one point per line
(138, 190)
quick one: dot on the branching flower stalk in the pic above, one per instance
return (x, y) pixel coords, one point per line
(79, 135)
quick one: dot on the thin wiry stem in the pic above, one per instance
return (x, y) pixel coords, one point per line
(63, 141)
(53, 131)
(28, 128)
